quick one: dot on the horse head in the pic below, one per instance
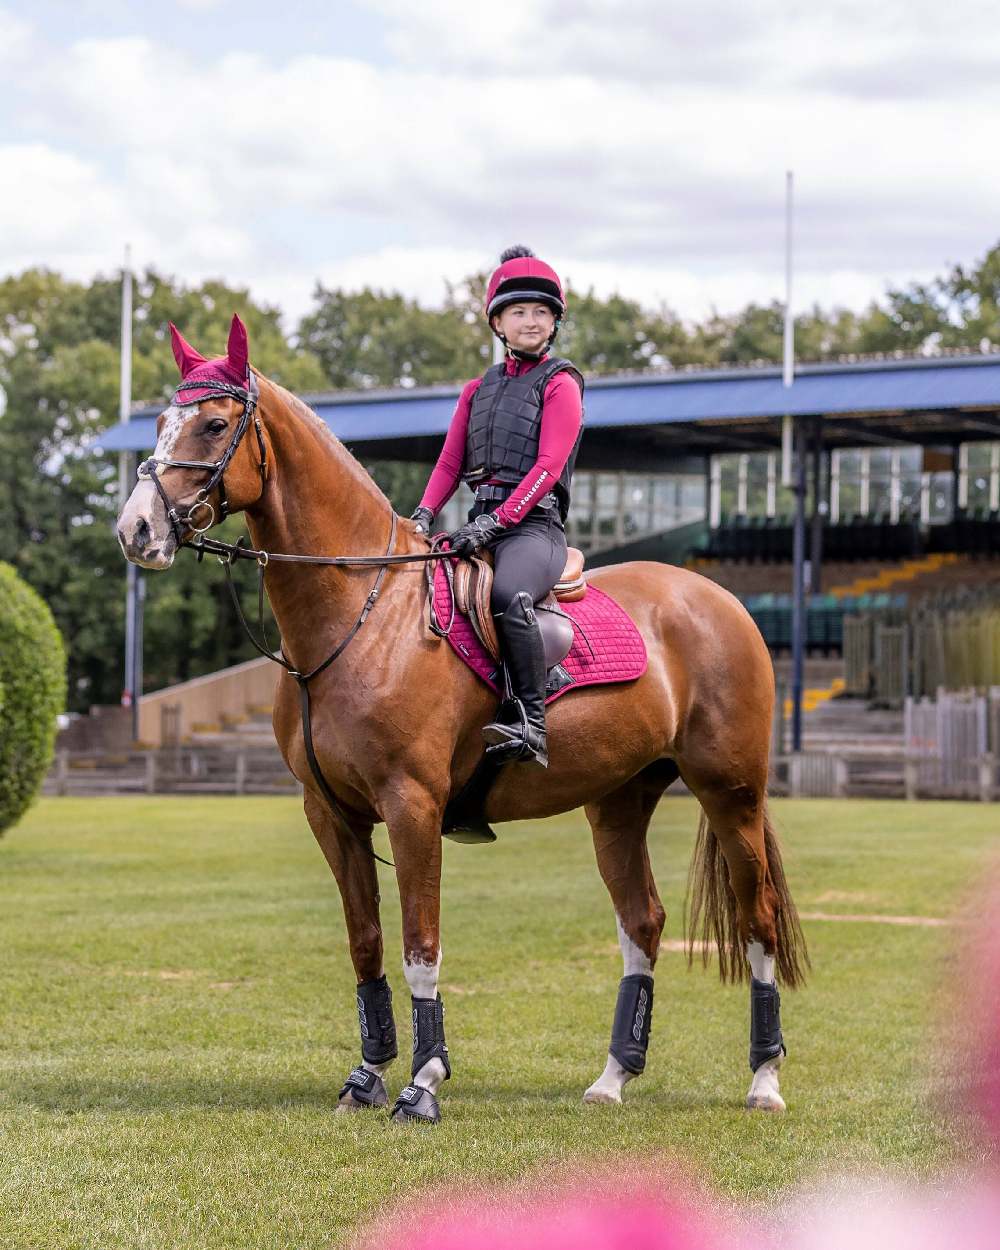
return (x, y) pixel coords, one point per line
(203, 467)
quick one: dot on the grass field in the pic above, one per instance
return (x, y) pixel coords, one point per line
(178, 1014)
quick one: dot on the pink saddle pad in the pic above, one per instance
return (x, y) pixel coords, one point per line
(619, 651)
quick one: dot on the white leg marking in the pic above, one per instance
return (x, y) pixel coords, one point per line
(635, 960)
(609, 1085)
(423, 982)
(761, 965)
(763, 1094)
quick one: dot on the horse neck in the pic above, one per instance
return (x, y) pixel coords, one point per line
(317, 501)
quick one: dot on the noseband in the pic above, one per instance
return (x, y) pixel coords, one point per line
(247, 396)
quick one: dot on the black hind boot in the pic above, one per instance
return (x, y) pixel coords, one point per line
(524, 658)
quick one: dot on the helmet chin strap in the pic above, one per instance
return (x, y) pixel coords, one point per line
(520, 354)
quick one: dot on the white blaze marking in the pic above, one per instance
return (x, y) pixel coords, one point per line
(145, 504)
(423, 982)
(174, 420)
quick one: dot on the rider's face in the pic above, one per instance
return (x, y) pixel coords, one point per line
(526, 326)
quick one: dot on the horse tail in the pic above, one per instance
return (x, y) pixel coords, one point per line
(712, 916)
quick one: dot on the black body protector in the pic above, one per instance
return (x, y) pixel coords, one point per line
(501, 441)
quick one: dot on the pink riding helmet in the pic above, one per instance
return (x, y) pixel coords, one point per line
(520, 277)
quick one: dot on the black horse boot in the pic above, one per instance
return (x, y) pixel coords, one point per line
(524, 659)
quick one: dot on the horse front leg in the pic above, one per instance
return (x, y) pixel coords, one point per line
(415, 834)
(356, 877)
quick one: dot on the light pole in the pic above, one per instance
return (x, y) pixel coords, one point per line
(131, 687)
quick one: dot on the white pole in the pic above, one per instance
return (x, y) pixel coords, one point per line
(789, 338)
(133, 643)
(789, 320)
(125, 375)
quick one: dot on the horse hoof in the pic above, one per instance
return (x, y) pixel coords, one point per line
(598, 1097)
(415, 1105)
(765, 1102)
(362, 1089)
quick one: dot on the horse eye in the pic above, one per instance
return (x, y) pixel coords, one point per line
(215, 427)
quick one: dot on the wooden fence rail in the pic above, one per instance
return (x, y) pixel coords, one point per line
(177, 770)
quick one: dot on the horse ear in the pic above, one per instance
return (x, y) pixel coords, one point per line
(238, 350)
(185, 355)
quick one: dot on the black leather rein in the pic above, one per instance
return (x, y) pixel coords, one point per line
(229, 553)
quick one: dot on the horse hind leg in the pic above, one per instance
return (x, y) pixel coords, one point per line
(738, 896)
(619, 822)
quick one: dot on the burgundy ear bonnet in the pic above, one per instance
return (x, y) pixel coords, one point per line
(231, 368)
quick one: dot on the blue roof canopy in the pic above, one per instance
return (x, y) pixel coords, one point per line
(886, 392)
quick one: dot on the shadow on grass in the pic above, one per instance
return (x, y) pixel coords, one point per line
(162, 1095)
(165, 1094)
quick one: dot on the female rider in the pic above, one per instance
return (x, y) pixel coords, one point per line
(514, 438)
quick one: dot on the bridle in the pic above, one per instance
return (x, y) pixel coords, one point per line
(230, 553)
(248, 397)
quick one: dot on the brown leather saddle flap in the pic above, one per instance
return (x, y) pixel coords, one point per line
(474, 582)
(572, 584)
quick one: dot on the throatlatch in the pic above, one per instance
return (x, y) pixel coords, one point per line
(766, 1041)
(633, 1015)
(378, 1029)
(428, 1034)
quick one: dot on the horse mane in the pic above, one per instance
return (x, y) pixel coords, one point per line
(299, 410)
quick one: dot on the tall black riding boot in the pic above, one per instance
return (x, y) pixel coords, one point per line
(524, 657)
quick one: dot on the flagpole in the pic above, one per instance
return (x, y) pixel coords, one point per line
(130, 691)
(794, 453)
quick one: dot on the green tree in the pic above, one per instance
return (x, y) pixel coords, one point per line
(617, 334)
(59, 359)
(32, 693)
(373, 339)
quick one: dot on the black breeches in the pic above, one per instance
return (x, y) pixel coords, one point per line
(529, 557)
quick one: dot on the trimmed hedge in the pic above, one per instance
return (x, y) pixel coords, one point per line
(32, 693)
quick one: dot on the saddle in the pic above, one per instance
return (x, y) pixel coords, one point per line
(474, 582)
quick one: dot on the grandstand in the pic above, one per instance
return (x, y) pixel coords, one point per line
(903, 504)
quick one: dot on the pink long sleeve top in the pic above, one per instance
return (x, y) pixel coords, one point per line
(562, 413)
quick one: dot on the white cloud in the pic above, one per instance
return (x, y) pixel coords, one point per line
(15, 37)
(641, 147)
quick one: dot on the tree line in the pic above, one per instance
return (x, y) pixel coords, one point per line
(59, 359)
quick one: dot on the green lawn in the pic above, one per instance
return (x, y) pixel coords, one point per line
(178, 1013)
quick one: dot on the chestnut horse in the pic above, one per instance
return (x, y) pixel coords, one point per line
(389, 753)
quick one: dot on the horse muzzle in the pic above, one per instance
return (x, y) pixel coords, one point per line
(144, 531)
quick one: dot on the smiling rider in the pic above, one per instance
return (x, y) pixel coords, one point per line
(514, 438)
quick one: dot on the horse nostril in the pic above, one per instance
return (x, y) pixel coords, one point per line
(142, 533)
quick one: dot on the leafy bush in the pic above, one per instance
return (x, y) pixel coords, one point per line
(32, 693)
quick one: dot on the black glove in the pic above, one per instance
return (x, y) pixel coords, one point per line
(423, 518)
(470, 538)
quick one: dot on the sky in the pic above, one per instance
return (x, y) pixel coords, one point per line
(640, 146)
